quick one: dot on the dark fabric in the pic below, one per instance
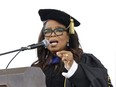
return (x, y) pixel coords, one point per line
(79, 79)
(53, 79)
(90, 73)
(60, 16)
(95, 71)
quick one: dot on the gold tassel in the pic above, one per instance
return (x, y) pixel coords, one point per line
(65, 82)
(71, 30)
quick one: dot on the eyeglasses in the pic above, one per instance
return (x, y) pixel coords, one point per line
(57, 31)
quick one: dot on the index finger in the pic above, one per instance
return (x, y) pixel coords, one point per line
(61, 53)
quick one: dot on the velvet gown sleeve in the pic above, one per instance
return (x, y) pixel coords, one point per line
(90, 73)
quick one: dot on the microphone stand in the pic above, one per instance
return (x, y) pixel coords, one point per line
(32, 46)
(21, 49)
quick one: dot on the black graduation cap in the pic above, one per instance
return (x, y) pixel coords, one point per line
(58, 15)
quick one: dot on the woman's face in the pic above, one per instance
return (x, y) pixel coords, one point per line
(58, 38)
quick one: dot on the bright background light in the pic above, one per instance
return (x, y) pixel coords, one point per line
(20, 26)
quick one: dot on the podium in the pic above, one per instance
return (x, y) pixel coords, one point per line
(22, 77)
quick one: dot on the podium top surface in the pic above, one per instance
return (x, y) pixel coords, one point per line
(17, 70)
(22, 77)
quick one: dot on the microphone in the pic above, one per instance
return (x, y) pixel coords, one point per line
(44, 43)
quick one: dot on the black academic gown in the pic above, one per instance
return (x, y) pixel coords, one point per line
(90, 73)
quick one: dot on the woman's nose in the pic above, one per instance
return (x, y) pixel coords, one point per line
(53, 34)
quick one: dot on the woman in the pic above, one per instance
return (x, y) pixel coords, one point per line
(63, 61)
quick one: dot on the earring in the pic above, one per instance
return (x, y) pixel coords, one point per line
(67, 44)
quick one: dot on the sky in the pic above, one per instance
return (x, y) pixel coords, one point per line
(20, 26)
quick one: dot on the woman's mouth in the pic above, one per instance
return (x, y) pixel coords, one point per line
(53, 43)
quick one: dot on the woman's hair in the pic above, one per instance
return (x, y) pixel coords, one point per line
(44, 55)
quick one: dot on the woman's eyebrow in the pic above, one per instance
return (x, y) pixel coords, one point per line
(59, 27)
(48, 28)
(55, 27)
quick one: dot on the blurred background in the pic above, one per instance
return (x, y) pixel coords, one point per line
(20, 26)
